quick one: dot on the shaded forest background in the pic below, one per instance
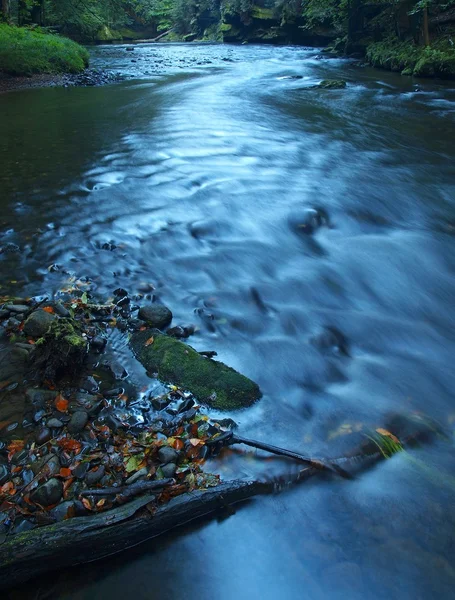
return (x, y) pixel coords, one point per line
(352, 22)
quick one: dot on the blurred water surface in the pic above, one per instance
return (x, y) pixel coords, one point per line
(200, 170)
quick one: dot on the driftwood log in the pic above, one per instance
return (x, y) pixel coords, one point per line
(86, 539)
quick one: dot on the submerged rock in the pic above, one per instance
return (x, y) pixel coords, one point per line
(212, 382)
(331, 84)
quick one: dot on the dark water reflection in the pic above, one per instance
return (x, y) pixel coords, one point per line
(197, 173)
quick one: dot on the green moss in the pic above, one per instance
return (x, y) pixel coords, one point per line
(332, 84)
(212, 382)
(25, 52)
(225, 27)
(259, 12)
(395, 55)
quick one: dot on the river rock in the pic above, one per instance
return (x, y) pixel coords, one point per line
(169, 469)
(78, 421)
(38, 323)
(89, 384)
(43, 436)
(68, 509)
(46, 465)
(308, 220)
(155, 315)
(49, 493)
(141, 474)
(80, 471)
(54, 423)
(4, 474)
(9, 248)
(331, 84)
(210, 381)
(93, 477)
(168, 455)
(17, 308)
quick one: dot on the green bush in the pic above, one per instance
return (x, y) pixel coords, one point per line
(435, 60)
(25, 52)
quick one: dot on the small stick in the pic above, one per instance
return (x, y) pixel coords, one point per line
(228, 438)
(129, 490)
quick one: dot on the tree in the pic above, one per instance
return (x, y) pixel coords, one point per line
(5, 10)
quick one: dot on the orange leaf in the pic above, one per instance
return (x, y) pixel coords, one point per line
(150, 341)
(64, 472)
(61, 404)
(143, 328)
(69, 445)
(178, 444)
(49, 310)
(8, 488)
(386, 433)
(31, 342)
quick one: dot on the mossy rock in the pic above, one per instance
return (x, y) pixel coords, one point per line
(260, 12)
(61, 351)
(212, 382)
(331, 84)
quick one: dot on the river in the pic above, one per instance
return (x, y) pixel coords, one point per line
(199, 169)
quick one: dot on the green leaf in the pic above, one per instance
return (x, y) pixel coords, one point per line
(132, 463)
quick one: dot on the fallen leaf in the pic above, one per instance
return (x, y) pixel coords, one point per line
(61, 403)
(196, 442)
(386, 433)
(150, 341)
(64, 472)
(8, 489)
(49, 310)
(101, 503)
(178, 444)
(86, 503)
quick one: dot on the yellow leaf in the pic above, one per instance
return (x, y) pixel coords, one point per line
(386, 433)
(150, 341)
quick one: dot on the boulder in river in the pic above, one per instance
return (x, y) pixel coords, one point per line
(49, 493)
(156, 315)
(212, 382)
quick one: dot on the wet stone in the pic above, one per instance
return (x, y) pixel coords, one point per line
(167, 455)
(38, 323)
(19, 457)
(80, 471)
(78, 421)
(156, 315)
(60, 310)
(4, 474)
(141, 474)
(47, 465)
(22, 526)
(17, 308)
(93, 477)
(89, 384)
(54, 423)
(68, 509)
(48, 493)
(169, 469)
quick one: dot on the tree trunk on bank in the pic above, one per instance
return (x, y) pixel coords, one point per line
(5, 10)
(426, 33)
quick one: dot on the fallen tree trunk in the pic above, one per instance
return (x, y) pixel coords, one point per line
(86, 539)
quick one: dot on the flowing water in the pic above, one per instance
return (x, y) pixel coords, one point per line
(199, 170)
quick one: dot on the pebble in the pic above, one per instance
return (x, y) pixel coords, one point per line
(78, 421)
(155, 315)
(60, 310)
(4, 474)
(54, 423)
(141, 474)
(38, 323)
(43, 436)
(169, 469)
(80, 471)
(68, 509)
(89, 384)
(19, 457)
(17, 308)
(49, 493)
(93, 477)
(167, 455)
(47, 465)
